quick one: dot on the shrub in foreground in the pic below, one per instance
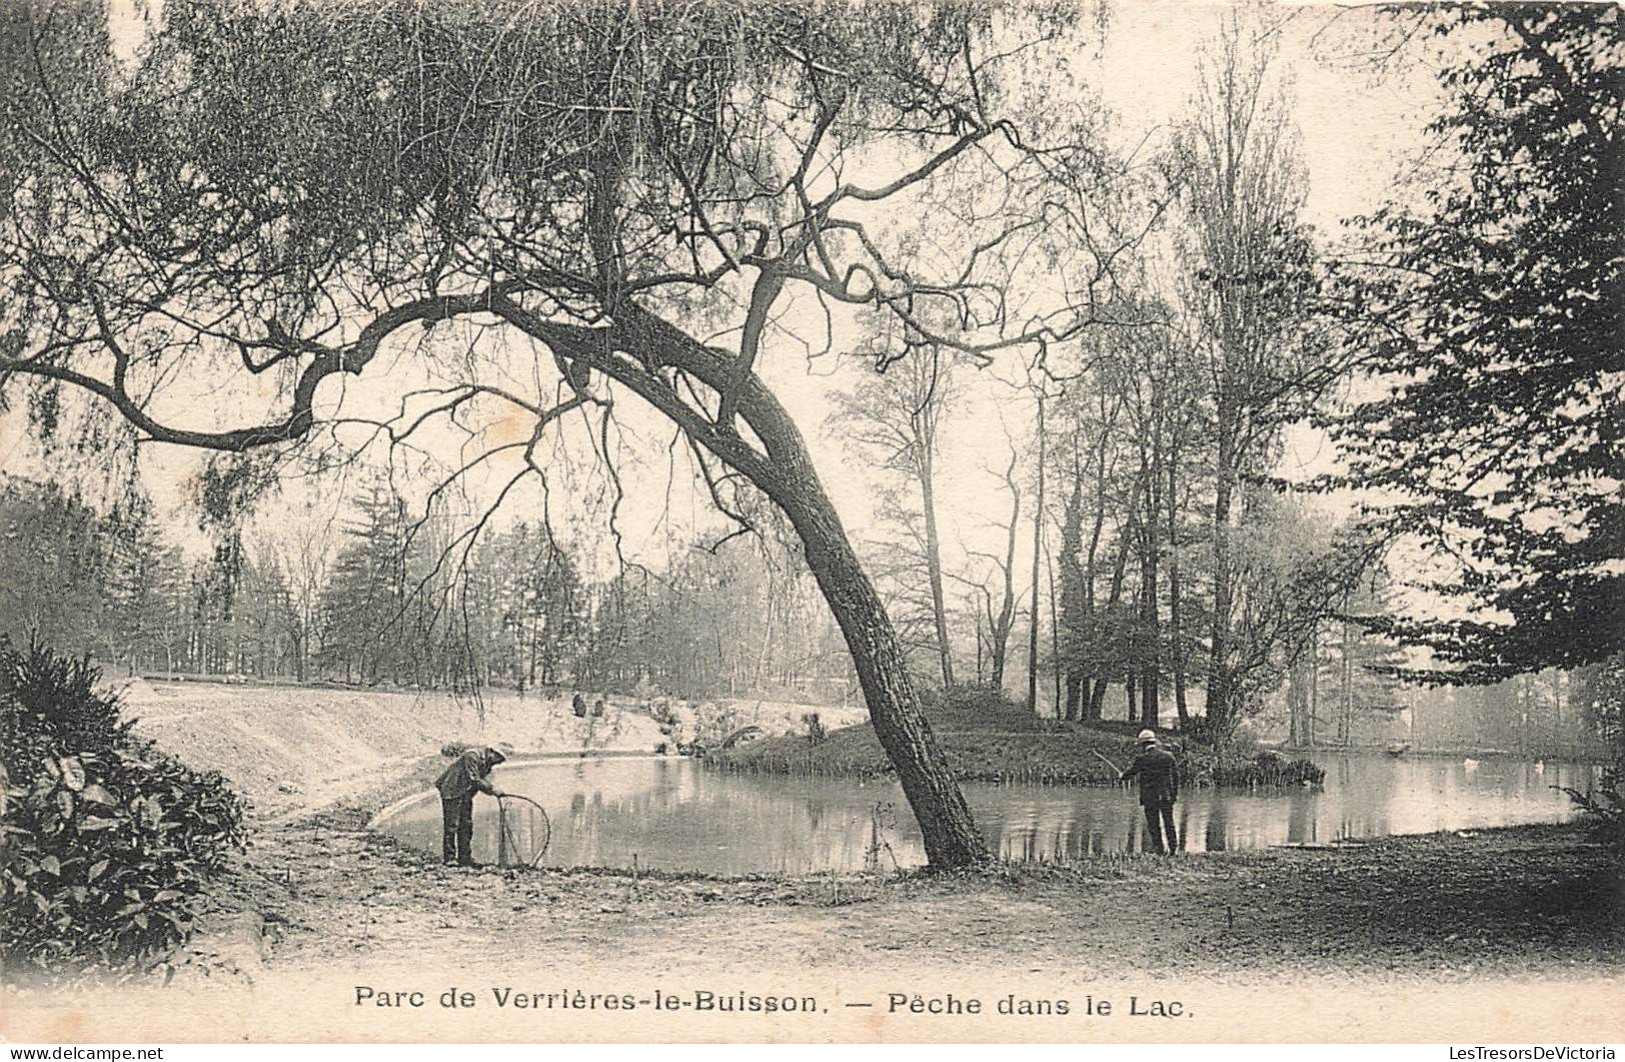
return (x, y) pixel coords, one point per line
(109, 842)
(1604, 806)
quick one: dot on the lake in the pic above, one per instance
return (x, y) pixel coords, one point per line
(670, 814)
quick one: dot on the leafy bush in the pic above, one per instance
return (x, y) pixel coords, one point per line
(1600, 690)
(1604, 807)
(1216, 735)
(108, 841)
(1201, 765)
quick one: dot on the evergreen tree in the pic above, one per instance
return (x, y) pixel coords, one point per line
(364, 602)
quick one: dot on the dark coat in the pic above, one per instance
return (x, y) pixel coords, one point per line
(1159, 776)
(467, 773)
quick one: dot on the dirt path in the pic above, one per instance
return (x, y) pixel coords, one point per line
(1503, 901)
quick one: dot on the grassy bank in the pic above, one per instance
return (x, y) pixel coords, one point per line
(294, 748)
(987, 740)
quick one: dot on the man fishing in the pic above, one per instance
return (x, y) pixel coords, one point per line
(1159, 787)
(458, 784)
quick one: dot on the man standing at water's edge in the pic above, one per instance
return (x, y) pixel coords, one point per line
(1159, 788)
(458, 784)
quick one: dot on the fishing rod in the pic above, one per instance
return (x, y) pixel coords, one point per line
(1107, 762)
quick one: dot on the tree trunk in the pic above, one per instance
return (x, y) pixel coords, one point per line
(1072, 626)
(950, 834)
(1000, 651)
(1314, 685)
(933, 562)
(783, 470)
(1038, 552)
(1001, 625)
(1297, 700)
(1294, 707)
(1345, 719)
(1150, 665)
(1094, 685)
(1220, 710)
(1054, 638)
(1102, 680)
(1176, 632)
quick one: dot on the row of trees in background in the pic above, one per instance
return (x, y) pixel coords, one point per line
(386, 598)
(1535, 714)
(1175, 567)
(1178, 566)
(1129, 562)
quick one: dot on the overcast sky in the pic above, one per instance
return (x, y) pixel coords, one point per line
(1355, 126)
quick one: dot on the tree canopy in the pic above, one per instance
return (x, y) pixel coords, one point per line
(1490, 314)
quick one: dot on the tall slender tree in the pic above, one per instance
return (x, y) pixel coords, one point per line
(1247, 281)
(895, 416)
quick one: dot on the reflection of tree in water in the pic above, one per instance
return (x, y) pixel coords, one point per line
(1021, 842)
(1300, 824)
(1031, 824)
(676, 816)
(882, 824)
(1216, 834)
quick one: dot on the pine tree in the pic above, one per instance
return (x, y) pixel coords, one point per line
(364, 602)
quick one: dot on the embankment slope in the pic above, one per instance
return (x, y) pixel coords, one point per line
(293, 748)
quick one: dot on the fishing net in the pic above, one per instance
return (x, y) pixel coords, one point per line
(523, 831)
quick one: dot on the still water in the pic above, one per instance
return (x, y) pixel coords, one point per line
(670, 814)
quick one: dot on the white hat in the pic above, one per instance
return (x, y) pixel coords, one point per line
(1146, 735)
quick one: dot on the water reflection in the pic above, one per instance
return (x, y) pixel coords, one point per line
(1218, 828)
(669, 814)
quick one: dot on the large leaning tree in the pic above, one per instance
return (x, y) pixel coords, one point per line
(286, 205)
(1489, 306)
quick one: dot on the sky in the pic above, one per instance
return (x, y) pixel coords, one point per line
(1355, 127)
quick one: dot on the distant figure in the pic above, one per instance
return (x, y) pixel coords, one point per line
(458, 784)
(598, 708)
(578, 704)
(1159, 788)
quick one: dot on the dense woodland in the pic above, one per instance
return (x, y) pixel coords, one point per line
(377, 602)
(573, 231)
(378, 605)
